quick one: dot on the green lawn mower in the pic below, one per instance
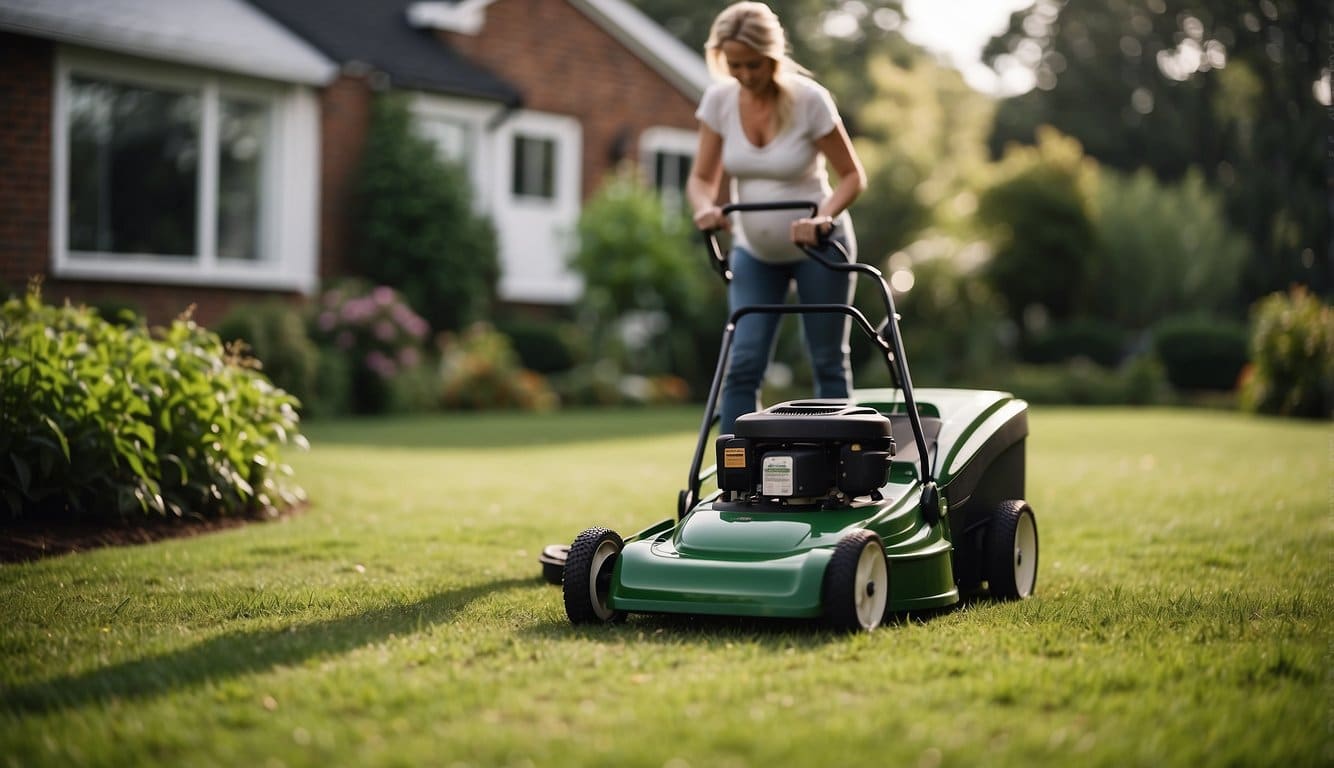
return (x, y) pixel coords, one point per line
(820, 509)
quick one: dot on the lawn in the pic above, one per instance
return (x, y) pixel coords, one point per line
(1183, 617)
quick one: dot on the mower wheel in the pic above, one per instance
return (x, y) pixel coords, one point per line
(856, 583)
(1011, 551)
(587, 583)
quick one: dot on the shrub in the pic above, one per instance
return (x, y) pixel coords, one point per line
(275, 333)
(543, 347)
(1162, 250)
(648, 293)
(1041, 215)
(118, 311)
(951, 323)
(1081, 382)
(1201, 353)
(1100, 342)
(479, 370)
(418, 231)
(102, 421)
(1292, 356)
(379, 335)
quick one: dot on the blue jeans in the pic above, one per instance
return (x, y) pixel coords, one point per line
(826, 335)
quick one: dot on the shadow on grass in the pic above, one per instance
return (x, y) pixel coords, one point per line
(241, 653)
(675, 629)
(506, 429)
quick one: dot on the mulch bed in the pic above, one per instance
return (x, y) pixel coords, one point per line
(24, 541)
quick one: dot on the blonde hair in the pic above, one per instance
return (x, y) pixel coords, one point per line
(757, 26)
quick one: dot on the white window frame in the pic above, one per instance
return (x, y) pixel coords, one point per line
(659, 140)
(289, 194)
(477, 118)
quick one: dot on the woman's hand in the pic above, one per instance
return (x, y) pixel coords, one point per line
(809, 231)
(711, 218)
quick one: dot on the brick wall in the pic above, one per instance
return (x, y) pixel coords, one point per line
(25, 158)
(344, 120)
(564, 63)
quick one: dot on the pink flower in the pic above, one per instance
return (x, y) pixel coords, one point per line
(410, 321)
(385, 331)
(380, 364)
(326, 321)
(383, 295)
(409, 357)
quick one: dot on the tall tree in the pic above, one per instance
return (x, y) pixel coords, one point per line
(1227, 86)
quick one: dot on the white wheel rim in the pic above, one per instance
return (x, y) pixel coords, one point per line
(872, 586)
(1025, 554)
(597, 597)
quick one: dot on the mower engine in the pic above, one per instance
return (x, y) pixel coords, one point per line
(805, 452)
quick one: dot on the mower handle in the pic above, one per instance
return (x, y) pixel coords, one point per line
(716, 257)
(886, 334)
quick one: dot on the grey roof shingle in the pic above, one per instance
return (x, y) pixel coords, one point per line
(226, 35)
(377, 32)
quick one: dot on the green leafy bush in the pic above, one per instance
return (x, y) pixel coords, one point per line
(378, 336)
(952, 324)
(479, 370)
(543, 347)
(1042, 220)
(1082, 382)
(1201, 353)
(650, 303)
(1292, 356)
(102, 421)
(1101, 342)
(1162, 250)
(418, 232)
(275, 333)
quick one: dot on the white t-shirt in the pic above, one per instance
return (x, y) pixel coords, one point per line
(789, 167)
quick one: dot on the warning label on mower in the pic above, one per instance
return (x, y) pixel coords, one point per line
(734, 458)
(776, 476)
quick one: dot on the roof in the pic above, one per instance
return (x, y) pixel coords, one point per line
(669, 57)
(223, 35)
(378, 33)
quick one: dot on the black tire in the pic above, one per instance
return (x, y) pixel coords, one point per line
(856, 583)
(553, 559)
(1011, 551)
(587, 582)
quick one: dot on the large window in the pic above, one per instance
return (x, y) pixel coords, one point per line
(134, 169)
(172, 176)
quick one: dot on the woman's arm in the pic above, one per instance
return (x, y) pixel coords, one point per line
(838, 150)
(705, 178)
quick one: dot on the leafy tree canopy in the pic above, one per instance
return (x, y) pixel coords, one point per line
(1230, 87)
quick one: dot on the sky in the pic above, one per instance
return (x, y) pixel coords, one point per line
(957, 30)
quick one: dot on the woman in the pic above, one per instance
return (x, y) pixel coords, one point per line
(771, 129)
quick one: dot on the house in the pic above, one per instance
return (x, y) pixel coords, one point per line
(170, 152)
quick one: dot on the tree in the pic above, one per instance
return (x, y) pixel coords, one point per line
(1225, 86)
(418, 232)
(1042, 218)
(923, 143)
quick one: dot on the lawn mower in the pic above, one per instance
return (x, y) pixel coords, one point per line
(821, 508)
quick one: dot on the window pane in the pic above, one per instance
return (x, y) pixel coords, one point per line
(452, 140)
(534, 167)
(242, 136)
(133, 169)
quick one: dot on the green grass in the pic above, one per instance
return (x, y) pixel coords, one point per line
(1182, 618)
